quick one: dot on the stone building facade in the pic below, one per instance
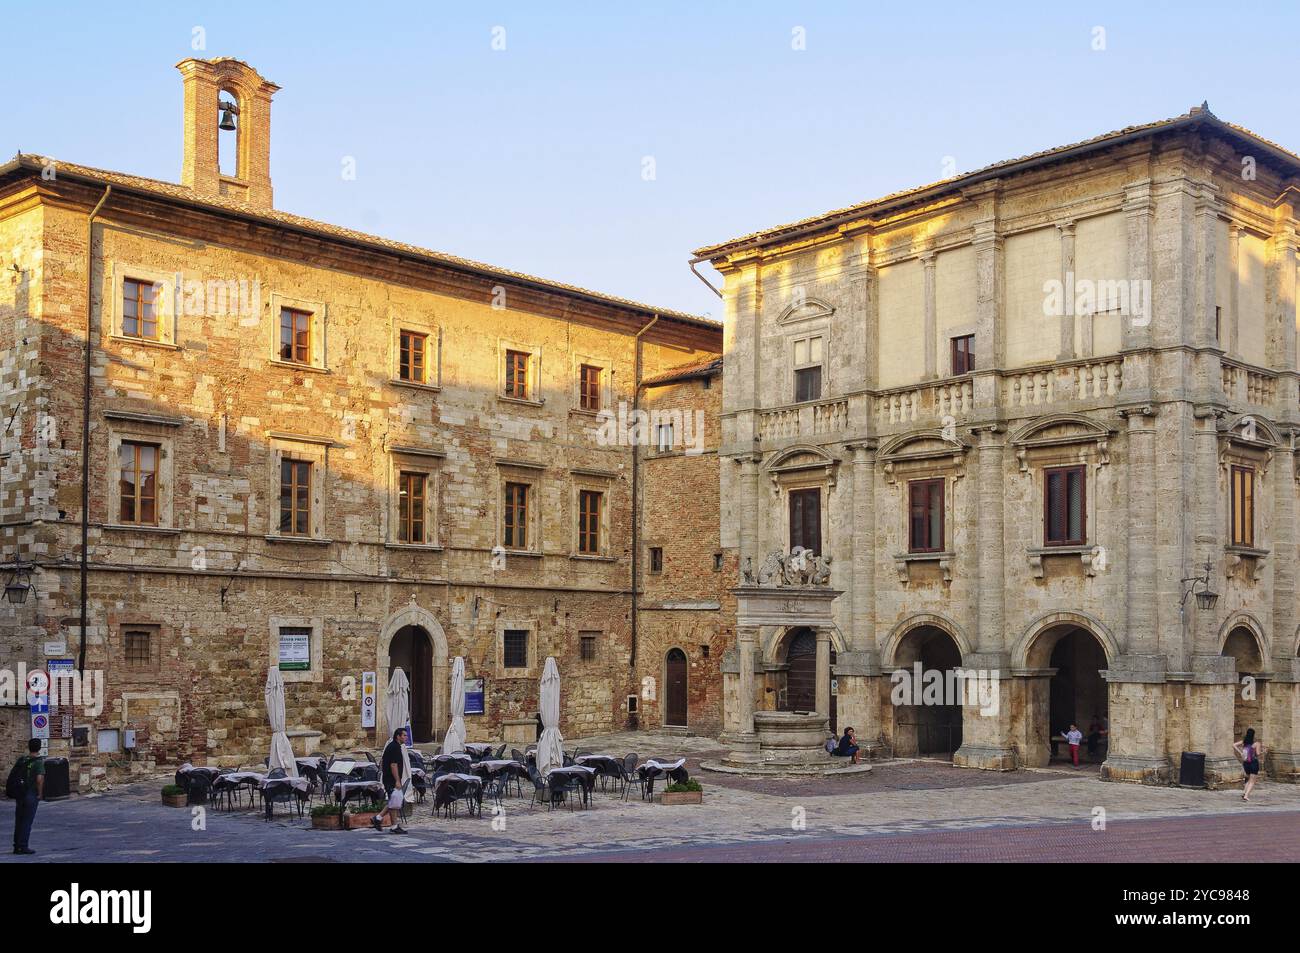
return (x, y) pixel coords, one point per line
(1023, 410)
(307, 447)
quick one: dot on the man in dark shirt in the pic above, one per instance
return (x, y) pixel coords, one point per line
(27, 804)
(391, 767)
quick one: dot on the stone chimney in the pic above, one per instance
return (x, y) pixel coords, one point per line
(208, 84)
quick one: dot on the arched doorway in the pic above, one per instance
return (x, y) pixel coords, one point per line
(1076, 693)
(411, 649)
(675, 689)
(801, 673)
(1247, 707)
(925, 666)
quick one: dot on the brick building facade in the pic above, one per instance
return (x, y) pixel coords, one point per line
(307, 446)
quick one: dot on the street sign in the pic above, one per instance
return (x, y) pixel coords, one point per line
(368, 699)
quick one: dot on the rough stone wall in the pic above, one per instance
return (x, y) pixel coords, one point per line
(686, 605)
(215, 575)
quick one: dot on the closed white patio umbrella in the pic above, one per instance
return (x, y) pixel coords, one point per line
(550, 747)
(281, 750)
(454, 739)
(397, 708)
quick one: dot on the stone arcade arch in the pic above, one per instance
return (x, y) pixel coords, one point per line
(1242, 639)
(403, 626)
(926, 725)
(1062, 657)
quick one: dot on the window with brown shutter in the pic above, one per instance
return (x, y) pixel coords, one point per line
(963, 354)
(1065, 507)
(589, 387)
(410, 360)
(925, 532)
(295, 497)
(806, 519)
(295, 336)
(410, 507)
(515, 530)
(138, 483)
(589, 504)
(1243, 506)
(139, 317)
(517, 374)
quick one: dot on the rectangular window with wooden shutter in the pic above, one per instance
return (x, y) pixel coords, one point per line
(515, 529)
(925, 516)
(1243, 506)
(1065, 508)
(806, 519)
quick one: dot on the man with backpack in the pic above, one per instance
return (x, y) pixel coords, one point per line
(26, 784)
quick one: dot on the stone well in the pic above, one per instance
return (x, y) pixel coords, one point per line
(789, 743)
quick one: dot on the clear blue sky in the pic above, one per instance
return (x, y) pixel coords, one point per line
(531, 158)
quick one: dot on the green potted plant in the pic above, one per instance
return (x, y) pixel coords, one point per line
(689, 791)
(173, 795)
(327, 817)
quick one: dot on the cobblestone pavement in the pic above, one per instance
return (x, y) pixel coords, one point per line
(904, 810)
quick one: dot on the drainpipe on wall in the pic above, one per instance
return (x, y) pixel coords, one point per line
(85, 422)
(636, 493)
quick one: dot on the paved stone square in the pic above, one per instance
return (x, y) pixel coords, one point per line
(900, 811)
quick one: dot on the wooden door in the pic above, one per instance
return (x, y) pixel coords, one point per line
(675, 689)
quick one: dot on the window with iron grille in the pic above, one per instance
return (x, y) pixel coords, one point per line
(139, 309)
(1243, 506)
(138, 483)
(517, 374)
(588, 643)
(295, 497)
(514, 648)
(410, 507)
(295, 336)
(1065, 512)
(515, 529)
(656, 559)
(589, 504)
(139, 648)
(963, 354)
(412, 350)
(589, 387)
(925, 516)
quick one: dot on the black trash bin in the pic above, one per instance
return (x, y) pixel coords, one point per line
(57, 784)
(1191, 772)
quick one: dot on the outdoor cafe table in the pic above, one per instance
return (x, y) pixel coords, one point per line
(343, 790)
(234, 781)
(442, 789)
(654, 768)
(585, 776)
(478, 748)
(605, 765)
(459, 757)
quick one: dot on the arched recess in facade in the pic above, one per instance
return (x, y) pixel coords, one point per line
(921, 644)
(1241, 638)
(1059, 660)
(436, 677)
(790, 668)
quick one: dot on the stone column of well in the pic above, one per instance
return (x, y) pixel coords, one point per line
(823, 692)
(986, 725)
(745, 741)
(1136, 679)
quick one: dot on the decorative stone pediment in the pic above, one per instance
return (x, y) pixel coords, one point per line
(1063, 437)
(923, 450)
(1248, 438)
(802, 461)
(806, 310)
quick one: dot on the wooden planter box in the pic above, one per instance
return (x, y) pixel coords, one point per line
(681, 797)
(357, 821)
(174, 800)
(326, 822)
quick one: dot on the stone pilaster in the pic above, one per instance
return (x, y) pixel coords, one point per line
(1067, 352)
(931, 316)
(1137, 712)
(1210, 701)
